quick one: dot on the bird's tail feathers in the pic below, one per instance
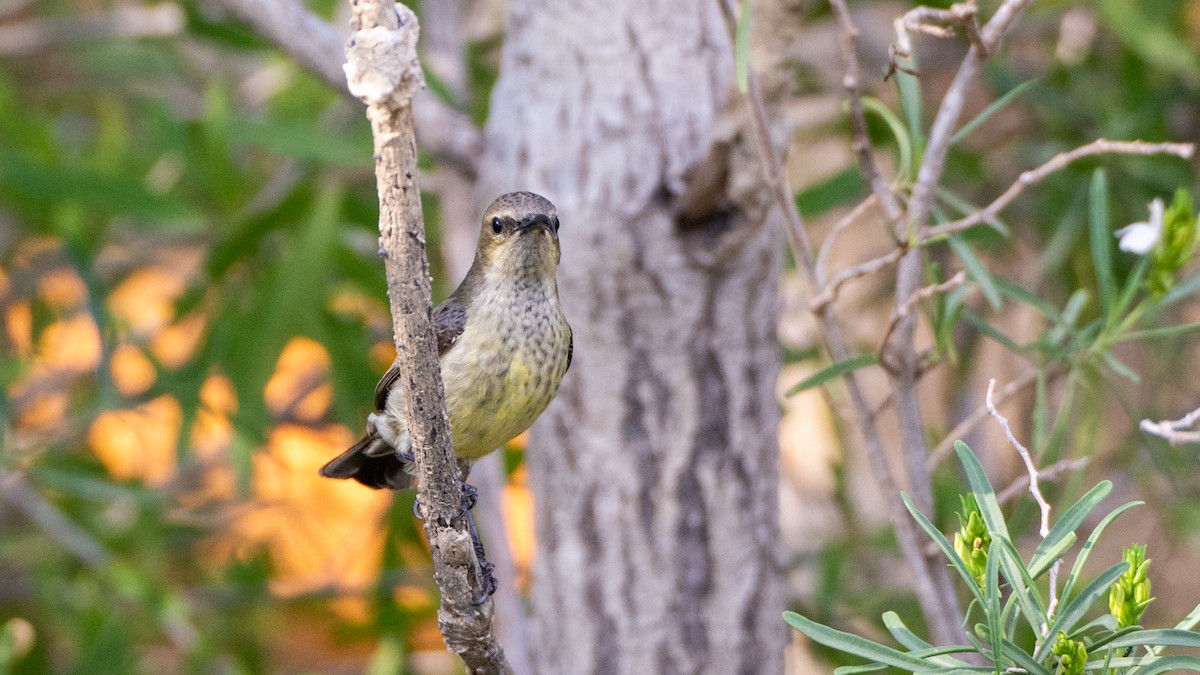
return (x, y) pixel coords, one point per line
(373, 462)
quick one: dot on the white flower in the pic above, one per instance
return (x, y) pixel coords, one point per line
(1141, 238)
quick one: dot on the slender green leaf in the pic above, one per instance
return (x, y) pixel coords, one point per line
(916, 645)
(903, 635)
(910, 98)
(1182, 291)
(1100, 235)
(904, 146)
(1166, 637)
(980, 324)
(1081, 558)
(1187, 623)
(1023, 660)
(853, 644)
(854, 670)
(1021, 583)
(1064, 527)
(936, 535)
(976, 270)
(844, 187)
(1166, 331)
(1119, 367)
(1019, 294)
(996, 106)
(985, 495)
(991, 599)
(1074, 609)
(1074, 307)
(1154, 666)
(832, 371)
(741, 55)
(32, 181)
(1132, 284)
(964, 207)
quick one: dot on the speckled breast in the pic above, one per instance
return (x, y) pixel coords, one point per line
(506, 367)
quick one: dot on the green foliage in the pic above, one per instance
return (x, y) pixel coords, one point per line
(1130, 594)
(1072, 655)
(972, 541)
(1180, 234)
(1012, 599)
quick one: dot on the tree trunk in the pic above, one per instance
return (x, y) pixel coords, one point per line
(655, 470)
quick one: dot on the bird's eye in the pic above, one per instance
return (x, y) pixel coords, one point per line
(554, 223)
(497, 225)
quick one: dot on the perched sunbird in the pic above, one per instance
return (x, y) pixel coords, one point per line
(503, 343)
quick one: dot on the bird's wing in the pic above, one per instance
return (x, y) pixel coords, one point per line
(570, 347)
(385, 387)
(449, 319)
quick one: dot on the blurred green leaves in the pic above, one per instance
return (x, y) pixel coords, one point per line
(1009, 589)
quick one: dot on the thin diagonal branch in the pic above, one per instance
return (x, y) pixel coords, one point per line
(16, 490)
(1057, 163)
(1049, 473)
(1030, 467)
(963, 428)
(867, 166)
(905, 309)
(940, 23)
(1036, 491)
(830, 292)
(1176, 432)
(841, 226)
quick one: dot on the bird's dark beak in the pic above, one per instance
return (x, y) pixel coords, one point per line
(537, 221)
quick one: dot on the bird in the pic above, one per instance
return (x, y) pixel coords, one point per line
(504, 346)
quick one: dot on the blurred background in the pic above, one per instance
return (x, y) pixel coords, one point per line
(193, 317)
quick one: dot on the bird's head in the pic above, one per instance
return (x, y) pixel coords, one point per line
(520, 231)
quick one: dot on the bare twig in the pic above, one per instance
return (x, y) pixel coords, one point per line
(844, 223)
(1050, 473)
(933, 587)
(867, 166)
(317, 47)
(1177, 432)
(1057, 163)
(1025, 457)
(830, 292)
(905, 308)
(939, 23)
(1036, 492)
(134, 21)
(16, 490)
(968, 424)
(382, 69)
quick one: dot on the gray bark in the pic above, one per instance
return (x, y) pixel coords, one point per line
(655, 470)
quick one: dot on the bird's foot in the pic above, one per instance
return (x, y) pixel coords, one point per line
(470, 496)
(485, 568)
(489, 582)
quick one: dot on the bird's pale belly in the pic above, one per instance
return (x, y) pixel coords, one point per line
(484, 418)
(494, 394)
